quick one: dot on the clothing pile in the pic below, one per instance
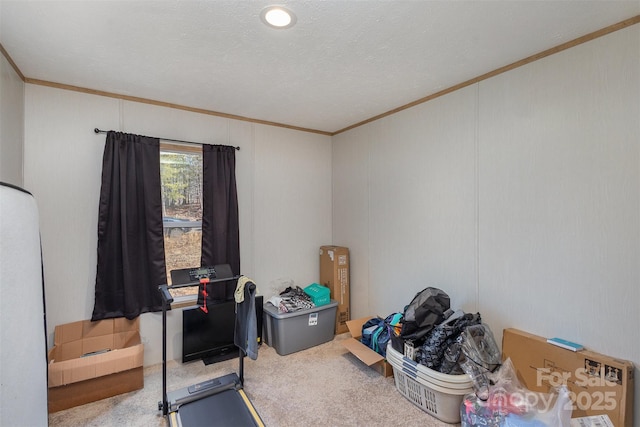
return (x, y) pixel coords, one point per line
(443, 339)
(293, 298)
(442, 347)
(431, 333)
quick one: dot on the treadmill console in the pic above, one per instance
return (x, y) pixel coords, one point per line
(195, 274)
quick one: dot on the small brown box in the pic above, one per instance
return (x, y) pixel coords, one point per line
(369, 357)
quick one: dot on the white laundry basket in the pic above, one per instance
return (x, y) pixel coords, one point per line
(437, 394)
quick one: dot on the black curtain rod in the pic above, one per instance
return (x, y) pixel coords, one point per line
(96, 130)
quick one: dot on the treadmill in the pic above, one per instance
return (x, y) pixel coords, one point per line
(216, 402)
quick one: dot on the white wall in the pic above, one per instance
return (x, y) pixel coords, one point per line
(404, 204)
(11, 124)
(283, 182)
(292, 205)
(519, 196)
(559, 195)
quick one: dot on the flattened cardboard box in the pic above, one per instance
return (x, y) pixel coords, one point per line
(598, 384)
(370, 358)
(334, 274)
(94, 360)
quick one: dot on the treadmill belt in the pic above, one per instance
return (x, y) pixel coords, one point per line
(224, 409)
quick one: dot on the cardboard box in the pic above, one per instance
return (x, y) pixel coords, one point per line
(334, 274)
(598, 384)
(370, 358)
(94, 360)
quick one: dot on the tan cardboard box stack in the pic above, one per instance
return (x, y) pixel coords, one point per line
(598, 384)
(94, 360)
(334, 274)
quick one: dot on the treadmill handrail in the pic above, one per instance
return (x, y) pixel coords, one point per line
(166, 295)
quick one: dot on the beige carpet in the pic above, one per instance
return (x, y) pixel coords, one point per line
(321, 386)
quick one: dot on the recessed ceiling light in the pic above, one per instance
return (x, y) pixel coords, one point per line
(278, 17)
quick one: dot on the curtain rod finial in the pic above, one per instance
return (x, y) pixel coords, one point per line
(96, 130)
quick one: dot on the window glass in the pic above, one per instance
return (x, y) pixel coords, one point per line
(181, 177)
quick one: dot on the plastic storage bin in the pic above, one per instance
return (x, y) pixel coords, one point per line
(437, 394)
(291, 332)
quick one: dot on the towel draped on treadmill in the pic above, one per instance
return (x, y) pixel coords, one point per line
(246, 329)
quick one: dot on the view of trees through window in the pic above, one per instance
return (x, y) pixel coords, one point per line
(181, 177)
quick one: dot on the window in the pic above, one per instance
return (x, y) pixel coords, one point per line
(181, 177)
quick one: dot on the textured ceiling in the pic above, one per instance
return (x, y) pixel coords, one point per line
(342, 63)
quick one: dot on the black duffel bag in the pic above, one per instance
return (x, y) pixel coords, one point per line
(424, 312)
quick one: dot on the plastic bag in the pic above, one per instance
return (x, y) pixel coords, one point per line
(509, 404)
(424, 312)
(480, 356)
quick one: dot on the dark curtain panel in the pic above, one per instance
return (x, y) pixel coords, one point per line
(220, 227)
(131, 261)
